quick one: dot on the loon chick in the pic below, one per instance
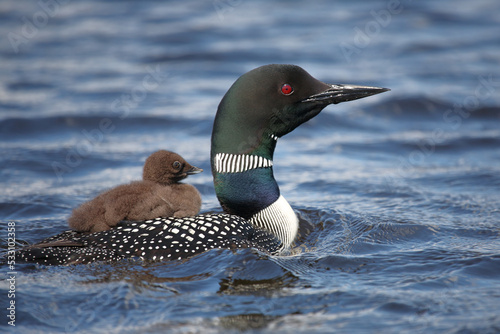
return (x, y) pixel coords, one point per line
(260, 107)
(159, 194)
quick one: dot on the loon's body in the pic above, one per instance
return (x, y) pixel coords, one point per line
(159, 194)
(260, 107)
(153, 240)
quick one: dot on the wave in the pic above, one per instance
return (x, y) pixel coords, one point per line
(19, 128)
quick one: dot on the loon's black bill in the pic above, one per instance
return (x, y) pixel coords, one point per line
(344, 93)
(194, 170)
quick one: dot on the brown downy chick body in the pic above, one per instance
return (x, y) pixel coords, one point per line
(159, 194)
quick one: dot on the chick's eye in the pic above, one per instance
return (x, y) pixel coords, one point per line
(176, 165)
(286, 89)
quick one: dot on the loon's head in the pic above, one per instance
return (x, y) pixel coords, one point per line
(261, 106)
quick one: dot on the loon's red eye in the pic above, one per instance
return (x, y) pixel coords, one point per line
(286, 89)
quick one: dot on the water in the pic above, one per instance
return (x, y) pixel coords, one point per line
(402, 188)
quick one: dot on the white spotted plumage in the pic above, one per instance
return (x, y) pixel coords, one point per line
(154, 240)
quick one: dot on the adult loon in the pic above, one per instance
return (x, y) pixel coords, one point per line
(260, 107)
(159, 194)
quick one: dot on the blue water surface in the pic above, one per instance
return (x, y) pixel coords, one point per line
(402, 188)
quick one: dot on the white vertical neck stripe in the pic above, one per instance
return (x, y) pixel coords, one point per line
(235, 163)
(279, 219)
